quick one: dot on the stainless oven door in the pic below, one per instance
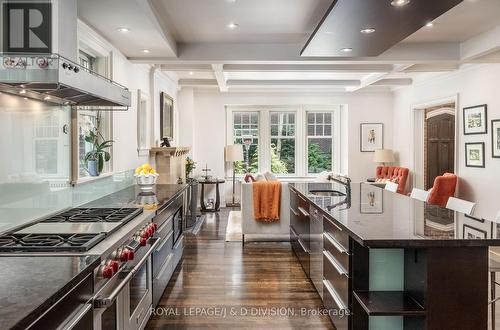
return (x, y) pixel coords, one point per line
(125, 303)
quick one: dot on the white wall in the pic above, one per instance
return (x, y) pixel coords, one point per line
(474, 84)
(135, 77)
(210, 121)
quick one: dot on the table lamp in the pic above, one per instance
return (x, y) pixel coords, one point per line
(383, 156)
(234, 153)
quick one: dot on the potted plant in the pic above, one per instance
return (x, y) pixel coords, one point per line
(95, 159)
(190, 166)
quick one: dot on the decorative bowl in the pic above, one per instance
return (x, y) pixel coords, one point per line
(146, 182)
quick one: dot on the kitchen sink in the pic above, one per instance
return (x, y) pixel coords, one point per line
(326, 192)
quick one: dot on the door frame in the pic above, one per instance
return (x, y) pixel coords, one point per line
(417, 120)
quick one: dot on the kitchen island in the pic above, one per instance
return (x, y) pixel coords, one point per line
(391, 262)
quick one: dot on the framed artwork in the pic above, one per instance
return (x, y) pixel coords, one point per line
(371, 199)
(474, 154)
(166, 116)
(495, 138)
(476, 120)
(371, 137)
(470, 232)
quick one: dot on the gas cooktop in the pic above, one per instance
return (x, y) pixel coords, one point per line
(122, 215)
(49, 242)
(73, 230)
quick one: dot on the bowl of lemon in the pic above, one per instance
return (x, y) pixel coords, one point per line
(146, 177)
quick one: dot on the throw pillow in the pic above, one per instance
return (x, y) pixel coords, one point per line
(249, 178)
(270, 176)
(260, 177)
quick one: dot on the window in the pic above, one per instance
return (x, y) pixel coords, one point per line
(142, 123)
(283, 142)
(319, 142)
(246, 132)
(295, 140)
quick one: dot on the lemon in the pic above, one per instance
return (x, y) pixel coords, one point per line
(152, 171)
(138, 170)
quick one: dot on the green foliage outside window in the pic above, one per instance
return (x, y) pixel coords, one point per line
(318, 160)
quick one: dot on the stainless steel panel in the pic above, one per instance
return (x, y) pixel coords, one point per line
(178, 250)
(71, 228)
(337, 276)
(340, 254)
(161, 279)
(162, 252)
(336, 232)
(335, 306)
(316, 246)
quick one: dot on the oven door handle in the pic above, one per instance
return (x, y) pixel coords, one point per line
(108, 301)
(71, 324)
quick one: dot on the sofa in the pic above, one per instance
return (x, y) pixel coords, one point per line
(398, 175)
(253, 230)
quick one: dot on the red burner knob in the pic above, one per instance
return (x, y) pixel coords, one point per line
(155, 226)
(145, 234)
(125, 255)
(143, 241)
(114, 265)
(107, 272)
(131, 255)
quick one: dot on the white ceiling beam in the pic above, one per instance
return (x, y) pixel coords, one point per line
(186, 67)
(481, 45)
(373, 78)
(393, 82)
(333, 68)
(219, 76)
(152, 13)
(432, 67)
(240, 83)
(198, 82)
(210, 53)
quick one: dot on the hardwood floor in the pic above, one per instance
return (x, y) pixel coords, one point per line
(259, 278)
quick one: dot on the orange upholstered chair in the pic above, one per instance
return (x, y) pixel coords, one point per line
(444, 188)
(394, 174)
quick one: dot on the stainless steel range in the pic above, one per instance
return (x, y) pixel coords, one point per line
(121, 284)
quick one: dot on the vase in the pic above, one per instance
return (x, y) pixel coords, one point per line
(92, 168)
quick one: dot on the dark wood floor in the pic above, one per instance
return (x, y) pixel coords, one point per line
(259, 278)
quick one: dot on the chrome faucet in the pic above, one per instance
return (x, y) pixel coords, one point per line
(346, 182)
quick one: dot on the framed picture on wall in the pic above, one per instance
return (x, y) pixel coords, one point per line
(371, 137)
(476, 120)
(371, 199)
(166, 116)
(495, 138)
(473, 233)
(474, 154)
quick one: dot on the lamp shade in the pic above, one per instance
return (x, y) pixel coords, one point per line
(234, 153)
(383, 156)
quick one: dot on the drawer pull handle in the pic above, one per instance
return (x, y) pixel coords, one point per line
(333, 224)
(294, 232)
(302, 245)
(333, 293)
(335, 264)
(304, 212)
(294, 212)
(335, 243)
(164, 242)
(164, 266)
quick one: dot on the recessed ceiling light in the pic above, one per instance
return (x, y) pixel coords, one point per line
(23, 91)
(25, 98)
(399, 3)
(124, 29)
(429, 24)
(191, 73)
(146, 51)
(47, 97)
(346, 50)
(233, 25)
(368, 30)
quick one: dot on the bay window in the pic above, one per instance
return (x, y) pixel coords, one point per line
(293, 141)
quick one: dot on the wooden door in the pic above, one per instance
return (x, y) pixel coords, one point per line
(440, 146)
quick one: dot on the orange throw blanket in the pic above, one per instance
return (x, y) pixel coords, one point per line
(266, 200)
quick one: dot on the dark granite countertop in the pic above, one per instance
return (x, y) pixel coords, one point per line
(380, 218)
(30, 285)
(132, 196)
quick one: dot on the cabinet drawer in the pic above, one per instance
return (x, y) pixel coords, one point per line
(162, 252)
(337, 233)
(337, 310)
(337, 276)
(340, 254)
(160, 280)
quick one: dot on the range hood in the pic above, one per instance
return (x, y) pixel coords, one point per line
(55, 79)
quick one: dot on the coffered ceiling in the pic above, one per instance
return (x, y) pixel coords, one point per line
(255, 44)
